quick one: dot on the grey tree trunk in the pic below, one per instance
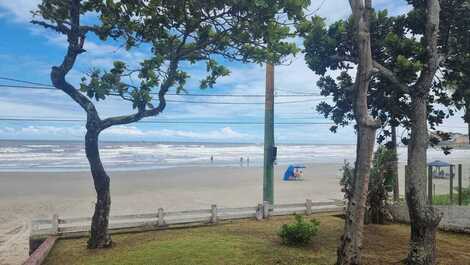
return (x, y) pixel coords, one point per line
(424, 219)
(99, 237)
(349, 251)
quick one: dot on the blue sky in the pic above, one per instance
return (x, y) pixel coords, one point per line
(27, 53)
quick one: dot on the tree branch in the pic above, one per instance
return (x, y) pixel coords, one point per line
(61, 28)
(58, 73)
(378, 68)
(387, 73)
(143, 113)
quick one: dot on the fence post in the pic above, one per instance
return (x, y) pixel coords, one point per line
(55, 224)
(308, 205)
(451, 184)
(266, 209)
(160, 217)
(259, 212)
(214, 213)
(460, 184)
(430, 186)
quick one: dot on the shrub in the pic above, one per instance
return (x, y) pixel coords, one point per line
(300, 232)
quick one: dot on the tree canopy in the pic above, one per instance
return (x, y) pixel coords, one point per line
(398, 53)
(178, 31)
(456, 72)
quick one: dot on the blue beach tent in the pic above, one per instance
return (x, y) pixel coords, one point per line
(289, 174)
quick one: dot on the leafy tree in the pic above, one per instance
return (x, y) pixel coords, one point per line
(457, 67)
(322, 53)
(381, 182)
(407, 51)
(387, 102)
(178, 32)
(346, 181)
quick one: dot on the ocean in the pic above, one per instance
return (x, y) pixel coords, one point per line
(70, 155)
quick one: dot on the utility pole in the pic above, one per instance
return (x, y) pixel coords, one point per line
(269, 148)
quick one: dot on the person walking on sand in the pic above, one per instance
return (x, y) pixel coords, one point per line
(212, 159)
(241, 161)
(248, 162)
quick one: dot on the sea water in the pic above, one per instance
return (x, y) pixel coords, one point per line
(70, 155)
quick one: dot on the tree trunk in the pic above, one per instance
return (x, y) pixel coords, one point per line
(99, 237)
(423, 217)
(394, 165)
(349, 251)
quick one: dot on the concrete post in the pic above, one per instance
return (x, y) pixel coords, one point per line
(161, 217)
(268, 169)
(266, 208)
(259, 212)
(308, 206)
(214, 213)
(55, 224)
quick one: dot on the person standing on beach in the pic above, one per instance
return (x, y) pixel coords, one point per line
(212, 159)
(248, 162)
(241, 161)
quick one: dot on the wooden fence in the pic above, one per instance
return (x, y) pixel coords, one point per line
(61, 227)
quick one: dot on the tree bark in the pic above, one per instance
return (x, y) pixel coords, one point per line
(99, 237)
(423, 217)
(349, 251)
(394, 165)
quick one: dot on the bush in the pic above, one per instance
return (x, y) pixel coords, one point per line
(300, 232)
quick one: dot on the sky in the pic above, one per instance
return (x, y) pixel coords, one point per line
(28, 52)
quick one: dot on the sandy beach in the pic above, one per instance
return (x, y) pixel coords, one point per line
(26, 195)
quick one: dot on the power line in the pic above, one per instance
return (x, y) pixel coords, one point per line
(235, 103)
(31, 87)
(195, 95)
(166, 122)
(49, 86)
(174, 94)
(22, 81)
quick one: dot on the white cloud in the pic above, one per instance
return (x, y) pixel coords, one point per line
(129, 132)
(20, 9)
(245, 79)
(225, 133)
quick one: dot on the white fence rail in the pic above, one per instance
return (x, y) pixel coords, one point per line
(161, 219)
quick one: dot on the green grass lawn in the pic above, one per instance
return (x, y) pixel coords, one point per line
(444, 199)
(251, 242)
